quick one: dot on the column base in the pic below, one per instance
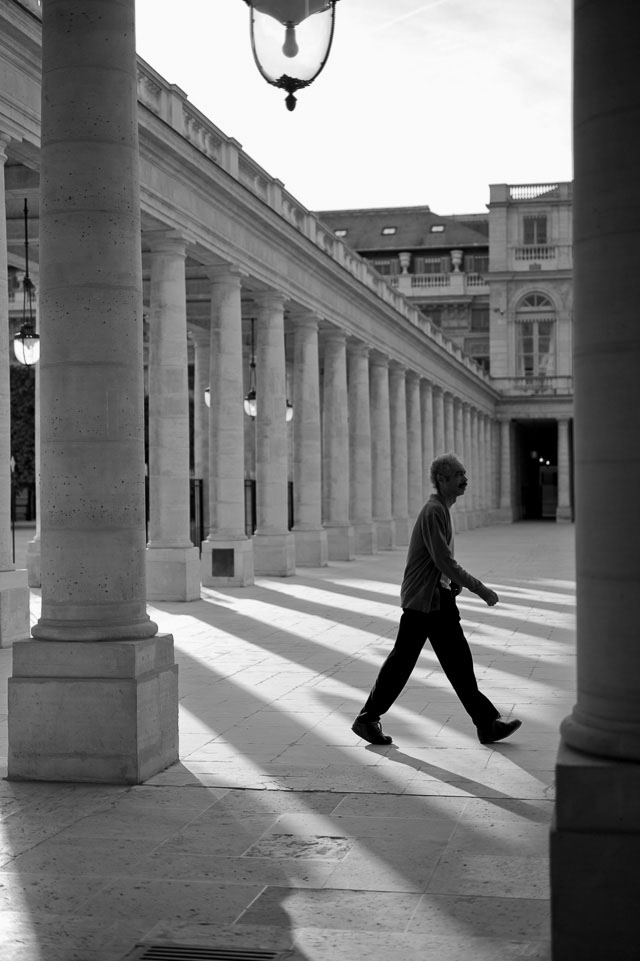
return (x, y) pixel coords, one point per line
(34, 577)
(341, 542)
(595, 849)
(312, 549)
(14, 607)
(173, 574)
(563, 514)
(274, 554)
(385, 534)
(227, 563)
(365, 538)
(403, 530)
(104, 712)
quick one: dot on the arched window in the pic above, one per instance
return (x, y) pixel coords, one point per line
(535, 336)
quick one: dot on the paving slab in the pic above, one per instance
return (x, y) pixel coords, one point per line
(279, 828)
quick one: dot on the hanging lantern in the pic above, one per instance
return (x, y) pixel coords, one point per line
(291, 40)
(26, 343)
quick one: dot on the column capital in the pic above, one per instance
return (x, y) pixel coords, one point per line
(5, 140)
(413, 376)
(358, 348)
(266, 299)
(335, 334)
(165, 241)
(219, 274)
(397, 367)
(378, 359)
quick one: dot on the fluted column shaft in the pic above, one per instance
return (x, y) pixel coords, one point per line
(173, 566)
(476, 491)
(360, 496)
(505, 468)
(399, 462)
(335, 445)
(92, 483)
(310, 537)
(414, 445)
(563, 510)
(14, 593)
(274, 549)
(595, 838)
(168, 401)
(227, 554)
(381, 450)
(439, 439)
(449, 425)
(104, 711)
(201, 376)
(428, 435)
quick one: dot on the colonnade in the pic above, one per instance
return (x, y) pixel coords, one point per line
(358, 450)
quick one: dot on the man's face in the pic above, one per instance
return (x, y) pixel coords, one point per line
(455, 484)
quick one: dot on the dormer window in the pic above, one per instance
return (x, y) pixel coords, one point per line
(341, 232)
(436, 228)
(388, 231)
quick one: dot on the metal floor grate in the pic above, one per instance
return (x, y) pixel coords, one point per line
(168, 951)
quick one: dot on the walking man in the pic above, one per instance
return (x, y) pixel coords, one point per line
(432, 579)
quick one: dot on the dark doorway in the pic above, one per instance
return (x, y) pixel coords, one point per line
(536, 470)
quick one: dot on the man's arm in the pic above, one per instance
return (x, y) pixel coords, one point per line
(435, 537)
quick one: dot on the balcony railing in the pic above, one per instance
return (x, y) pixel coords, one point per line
(535, 252)
(457, 283)
(534, 384)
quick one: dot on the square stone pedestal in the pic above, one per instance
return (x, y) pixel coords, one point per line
(385, 534)
(403, 530)
(365, 538)
(99, 711)
(311, 548)
(595, 852)
(274, 554)
(14, 607)
(227, 563)
(341, 542)
(173, 574)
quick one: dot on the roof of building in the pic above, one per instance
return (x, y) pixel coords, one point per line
(415, 227)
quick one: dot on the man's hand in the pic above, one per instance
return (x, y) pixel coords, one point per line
(490, 597)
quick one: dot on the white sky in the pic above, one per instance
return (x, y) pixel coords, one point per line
(419, 103)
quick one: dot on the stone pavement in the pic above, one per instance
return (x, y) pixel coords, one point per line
(279, 828)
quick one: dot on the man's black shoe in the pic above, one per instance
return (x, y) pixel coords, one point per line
(497, 730)
(370, 731)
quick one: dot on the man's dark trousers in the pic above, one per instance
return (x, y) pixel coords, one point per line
(450, 646)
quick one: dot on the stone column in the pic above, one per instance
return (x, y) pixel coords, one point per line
(273, 544)
(399, 480)
(360, 500)
(595, 843)
(476, 488)
(439, 440)
(505, 502)
(227, 553)
(563, 510)
(461, 448)
(173, 563)
(94, 697)
(14, 592)
(427, 405)
(381, 451)
(449, 425)
(310, 536)
(201, 363)
(335, 448)
(414, 445)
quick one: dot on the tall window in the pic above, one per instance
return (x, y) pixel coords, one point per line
(535, 230)
(535, 337)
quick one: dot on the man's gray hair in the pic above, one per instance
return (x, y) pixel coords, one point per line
(444, 465)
